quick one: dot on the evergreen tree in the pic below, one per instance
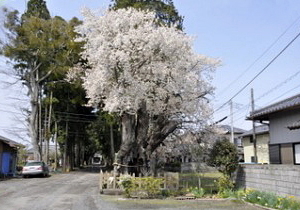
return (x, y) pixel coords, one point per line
(165, 9)
(224, 156)
(36, 8)
(42, 50)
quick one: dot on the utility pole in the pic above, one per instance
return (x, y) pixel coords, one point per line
(231, 119)
(253, 125)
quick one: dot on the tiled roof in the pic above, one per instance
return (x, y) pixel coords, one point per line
(9, 142)
(227, 129)
(294, 126)
(258, 130)
(288, 103)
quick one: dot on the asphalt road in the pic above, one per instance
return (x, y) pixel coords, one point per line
(79, 191)
(76, 190)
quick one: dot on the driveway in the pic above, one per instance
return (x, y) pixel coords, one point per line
(76, 190)
(79, 191)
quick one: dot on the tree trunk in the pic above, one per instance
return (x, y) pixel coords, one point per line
(33, 119)
(161, 129)
(128, 136)
(55, 156)
(142, 127)
(65, 148)
(45, 155)
(48, 133)
(112, 145)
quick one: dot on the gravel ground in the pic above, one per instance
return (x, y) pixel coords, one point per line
(79, 191)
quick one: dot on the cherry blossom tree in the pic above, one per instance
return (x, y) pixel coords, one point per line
(147, 73)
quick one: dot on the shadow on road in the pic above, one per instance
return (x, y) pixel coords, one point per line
(93, 169)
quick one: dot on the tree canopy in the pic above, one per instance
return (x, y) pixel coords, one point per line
(42, 49)
(164, 9)
(138, 69)
(224, 156)
(36, 8)
(132, 61)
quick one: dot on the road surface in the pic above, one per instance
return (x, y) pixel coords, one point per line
(79, 191)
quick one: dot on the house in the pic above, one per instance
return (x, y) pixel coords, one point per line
(262, 145)
(225, 131)
(8, 156)
(283, 118)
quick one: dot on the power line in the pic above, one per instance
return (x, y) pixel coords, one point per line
(247, 106)
(255, 61)
(283, 94)
(259, 73)
(278, 85)
(270, 91)
(72, 113)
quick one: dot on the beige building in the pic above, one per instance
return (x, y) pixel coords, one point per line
(262, 145)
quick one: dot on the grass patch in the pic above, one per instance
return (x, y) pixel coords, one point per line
(176, 204)
(207, 180)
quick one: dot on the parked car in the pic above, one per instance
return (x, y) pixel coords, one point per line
(35, 168)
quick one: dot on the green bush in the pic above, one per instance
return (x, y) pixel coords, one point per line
(148, 187)
(224, 183)
(224, 156)
(271, 200)
(198, 192)
(240, 194)
(227, 193)
(175, 192)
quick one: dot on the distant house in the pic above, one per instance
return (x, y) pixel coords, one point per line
(262, 145)
(30, 154)
(225, 130)
(8, 156)
(283, 118)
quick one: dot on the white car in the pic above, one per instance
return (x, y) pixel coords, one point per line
(35, 168)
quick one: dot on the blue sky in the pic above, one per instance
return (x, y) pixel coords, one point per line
(235, 31)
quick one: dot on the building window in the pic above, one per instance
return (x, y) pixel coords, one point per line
(275, 156)
(251, 139)
(238, 142)
(297, 153)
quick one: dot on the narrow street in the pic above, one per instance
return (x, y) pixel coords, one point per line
(76, 190)
(79, 191)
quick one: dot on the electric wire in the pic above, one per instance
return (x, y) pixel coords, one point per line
(292, 89)
(255, 61)
(270, 91)
(260, 72)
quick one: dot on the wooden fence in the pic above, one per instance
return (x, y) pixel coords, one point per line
(110, 180)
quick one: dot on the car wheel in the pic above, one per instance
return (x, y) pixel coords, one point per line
(24, 176)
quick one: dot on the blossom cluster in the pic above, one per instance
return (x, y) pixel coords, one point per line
(131, 59)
